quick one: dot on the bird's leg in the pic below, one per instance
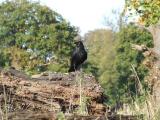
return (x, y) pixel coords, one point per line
(74, 67)
(81, 70)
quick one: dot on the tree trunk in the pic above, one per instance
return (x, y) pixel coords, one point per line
(154, 76)
(155, 31)
(153, 64)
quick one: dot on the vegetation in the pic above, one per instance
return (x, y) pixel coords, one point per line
(114, 68)
(114, 71)
(126, 56)
(31, 35)
(34, 38)
(100, 43)
(147, 10)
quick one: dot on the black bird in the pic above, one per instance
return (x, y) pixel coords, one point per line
(79, 55)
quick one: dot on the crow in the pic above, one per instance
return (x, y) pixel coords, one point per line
(79, 55)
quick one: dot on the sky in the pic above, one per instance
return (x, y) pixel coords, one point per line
(85, 14)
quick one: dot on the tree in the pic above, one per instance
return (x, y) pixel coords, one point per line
(112, 56)
(101, 55)
(148, 12)
(125, 57)
(33, 34)
(100, 50)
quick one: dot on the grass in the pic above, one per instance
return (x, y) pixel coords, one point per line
(60, 116)
(147, 108)
(82, 109)
(4, 108)
(82, 99)
(143, 104)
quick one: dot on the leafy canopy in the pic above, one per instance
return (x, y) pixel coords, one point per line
(31, 34)
(124, 82)
(148, 10)
(111, 56)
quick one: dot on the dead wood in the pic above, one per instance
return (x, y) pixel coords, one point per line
(52, 92)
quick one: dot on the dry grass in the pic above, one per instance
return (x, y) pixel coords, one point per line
(82, 110)
(146, 107)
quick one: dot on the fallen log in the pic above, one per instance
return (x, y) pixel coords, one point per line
(29, 115)
(52, 92)
(50, 116)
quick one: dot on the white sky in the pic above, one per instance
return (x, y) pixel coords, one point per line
(85, 14)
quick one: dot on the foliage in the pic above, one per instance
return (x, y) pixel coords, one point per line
(148, 10)
(112, 55)
(100, 52)
(32, 34)
(125, 56)
(4, 59)
(60, 116)
(101, 55)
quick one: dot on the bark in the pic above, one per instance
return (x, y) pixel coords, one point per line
(155, 31)
(55, 92)
(152, 61)
(51, 116)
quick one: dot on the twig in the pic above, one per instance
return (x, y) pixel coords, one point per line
(139, 85)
